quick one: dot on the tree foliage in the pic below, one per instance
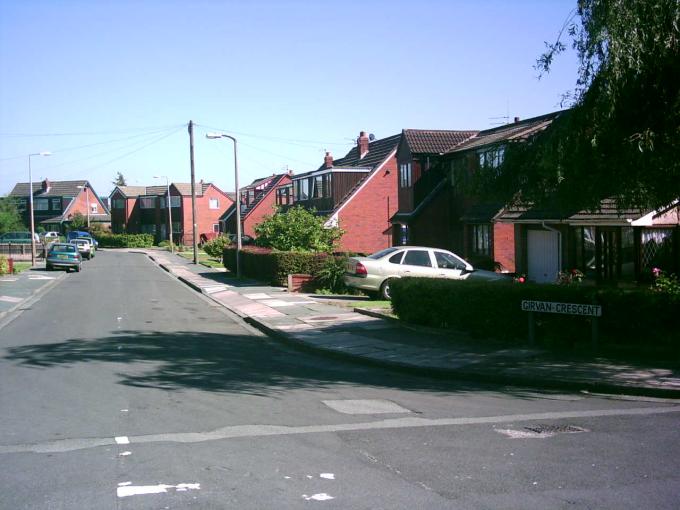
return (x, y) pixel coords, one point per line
(297, 230)
(119, 180)
(10, 218)
(622, 137)
(78, 221)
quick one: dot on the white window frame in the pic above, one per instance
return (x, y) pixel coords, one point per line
(213, 203)
(41, 204)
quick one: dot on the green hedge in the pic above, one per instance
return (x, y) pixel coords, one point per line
(125, 240)
(273, 266)
(4, 265)
(493, 310)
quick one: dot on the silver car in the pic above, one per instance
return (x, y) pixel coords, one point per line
(372, 274)
(85, 249)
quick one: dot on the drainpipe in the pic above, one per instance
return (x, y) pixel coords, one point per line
(559, 243)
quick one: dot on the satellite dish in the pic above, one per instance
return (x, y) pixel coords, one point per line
(371, 137)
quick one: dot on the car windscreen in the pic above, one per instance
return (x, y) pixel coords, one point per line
(63, 248)
(380, 254)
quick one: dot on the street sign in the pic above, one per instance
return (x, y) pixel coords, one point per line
(563, 308)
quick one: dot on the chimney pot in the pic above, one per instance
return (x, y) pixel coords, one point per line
(45, 185)
(516, 119)
(328, 160)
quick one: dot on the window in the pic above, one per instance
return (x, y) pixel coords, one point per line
(56, 204)
(492, 158)
(283, 195)
(148, 228)
(319, 186)
(176, 226)
(41, 204)
(147, 203)
(448, 261)
(303, 189)
(175, 201)
(417, 258)
(481, 239)
(405, 177)
(214, 203)
(396, 259)
(118, 203)
(93, 208)
(22, 204)
(216, 227)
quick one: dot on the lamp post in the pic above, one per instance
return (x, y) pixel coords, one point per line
(169, 206)
(212, 136)
(30, 201)
(87, 198)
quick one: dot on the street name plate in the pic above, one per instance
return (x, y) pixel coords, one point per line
(564, 308)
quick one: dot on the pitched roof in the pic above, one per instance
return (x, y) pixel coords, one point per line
(519, 130)
(434, 141)
(378, 150)
(184, 188)
(607, 213)
(56, 189)
(131, 191)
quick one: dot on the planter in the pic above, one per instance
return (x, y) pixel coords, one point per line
(300, 282)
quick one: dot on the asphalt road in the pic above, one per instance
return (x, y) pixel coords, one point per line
(122, 388)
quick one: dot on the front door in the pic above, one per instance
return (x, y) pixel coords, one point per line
(543, 256)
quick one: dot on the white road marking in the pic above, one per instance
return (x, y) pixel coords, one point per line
(318, 497)
(136, 490)
(40, 277)
(123, 484)
(123, 410)
(122, 440)
(241, 431)
(327, 476)
(124, 454)
(11, 299)
(9, 280)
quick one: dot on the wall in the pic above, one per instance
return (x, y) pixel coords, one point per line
(366, 217)
(264, 207)
(504, 245)
(205, 217)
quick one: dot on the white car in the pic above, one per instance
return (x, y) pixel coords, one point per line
(50, 237)
(372, 274)
(84, 248)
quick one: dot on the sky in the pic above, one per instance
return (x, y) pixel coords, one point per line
(110, 86)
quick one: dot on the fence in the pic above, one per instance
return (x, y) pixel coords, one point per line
(21, 251)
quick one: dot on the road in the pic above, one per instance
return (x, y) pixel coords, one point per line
(121, 388)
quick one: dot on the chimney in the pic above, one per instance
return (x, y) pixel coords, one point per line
(516, 120)
(362, 144)
(46, 186)
(328, 160)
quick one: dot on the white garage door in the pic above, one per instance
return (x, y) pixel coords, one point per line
(543, 256)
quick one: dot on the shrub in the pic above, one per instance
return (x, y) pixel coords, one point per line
(297, 230)
(273, 266)
(215, 247)
(493, 310)
(125, 240)
(4, 265)
(330, 275)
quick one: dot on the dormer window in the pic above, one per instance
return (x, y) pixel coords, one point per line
(492, 158)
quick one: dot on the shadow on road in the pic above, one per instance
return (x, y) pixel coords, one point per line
(224, 363)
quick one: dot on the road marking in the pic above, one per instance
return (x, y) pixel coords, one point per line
(11, 299)
(318, 497)
(137, 490)
(376, 406)
(40, 277)
(253, 431)
(122, 440)
(124, 454)
(327, 476)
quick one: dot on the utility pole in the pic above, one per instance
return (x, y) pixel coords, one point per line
(193, 190)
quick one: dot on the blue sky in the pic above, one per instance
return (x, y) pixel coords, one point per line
(109, 86)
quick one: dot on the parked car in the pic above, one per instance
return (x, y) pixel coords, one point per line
(63, 255)
(50, 237)
(374, 273)
(85, 249)
(80, 234)
(18, 237)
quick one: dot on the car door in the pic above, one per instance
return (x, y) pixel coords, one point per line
(450, 266)
(419, 263)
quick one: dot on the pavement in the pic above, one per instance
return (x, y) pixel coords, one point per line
(331, 325)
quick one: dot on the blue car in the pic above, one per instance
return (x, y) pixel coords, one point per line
(79, 234)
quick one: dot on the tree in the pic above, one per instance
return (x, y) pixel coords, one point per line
(621, 139)
(10, 218)
(120, 180)
(78, 221)
(297, 230)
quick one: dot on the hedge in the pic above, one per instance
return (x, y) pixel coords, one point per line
(125, 240)
(273, 266)
(493, 310)
(4, 265)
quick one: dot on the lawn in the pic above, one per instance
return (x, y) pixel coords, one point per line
(21, 266)
(203, 258)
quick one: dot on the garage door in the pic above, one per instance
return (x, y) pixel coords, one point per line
(543, 256)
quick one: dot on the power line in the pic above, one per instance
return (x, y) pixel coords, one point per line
(292, 141)
(89, 133)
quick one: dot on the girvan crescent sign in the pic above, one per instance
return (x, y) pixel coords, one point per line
(564, 308)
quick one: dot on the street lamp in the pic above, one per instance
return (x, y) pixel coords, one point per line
(212, 136)
(87, 198)
(30, 201)
(169, 206)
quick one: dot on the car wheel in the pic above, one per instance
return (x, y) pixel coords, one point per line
(385, 290)
(77, 269)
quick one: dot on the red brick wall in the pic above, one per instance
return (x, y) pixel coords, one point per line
(265, 207)
(80, 203)
(366, 217)
(504, 245)
(205, 217)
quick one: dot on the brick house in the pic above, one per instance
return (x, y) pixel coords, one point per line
(142, 209)
(55, 203)
(358, 193)
(444, 214)
(258, 199)
(607, 244)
